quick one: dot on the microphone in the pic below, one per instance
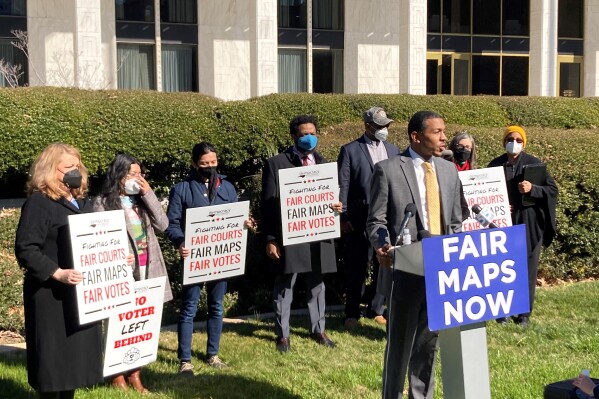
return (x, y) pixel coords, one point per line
(484, 216)
(422, 234)
(410, 211)
(447, 155)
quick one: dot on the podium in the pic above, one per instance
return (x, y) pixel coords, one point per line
(464, 357)
(470, 278)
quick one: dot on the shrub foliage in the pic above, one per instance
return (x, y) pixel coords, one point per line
(160, 129)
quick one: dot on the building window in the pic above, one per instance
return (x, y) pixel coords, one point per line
(178, 11)
(13, 56)
(326, 32)
(328, 14)
(569, 79)
(293, 14)
(486, 17)
(485, 75)
(13, 7)
(179, 68)
(514, 72)
(292, 71)
(505, 75)
(456, 16)
(515, 18)
(134, 10)
(570, 19)
(478, 47)
(135, 64)
(327, 71)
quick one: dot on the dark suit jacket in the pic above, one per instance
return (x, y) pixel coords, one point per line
(298, 258)
(394, 186)
(355, 174)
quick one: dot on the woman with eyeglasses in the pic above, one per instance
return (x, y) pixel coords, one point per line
(126, 188)
(62, 355)
(530, 204)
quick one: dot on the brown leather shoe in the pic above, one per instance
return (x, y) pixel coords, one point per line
(119, 382)
(379, 319)
(323, 339)
(135, 381)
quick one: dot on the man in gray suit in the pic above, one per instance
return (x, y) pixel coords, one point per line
(418, 176)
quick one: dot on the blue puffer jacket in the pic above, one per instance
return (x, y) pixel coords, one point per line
(193, 193)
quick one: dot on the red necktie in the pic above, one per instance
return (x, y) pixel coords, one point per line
(305, 161)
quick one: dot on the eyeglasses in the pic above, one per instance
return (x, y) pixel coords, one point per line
(510, 139)
(136, 174)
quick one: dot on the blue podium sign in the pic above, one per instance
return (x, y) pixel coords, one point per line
(475, 276)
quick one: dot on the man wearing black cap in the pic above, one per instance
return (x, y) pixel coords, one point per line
(355, 163)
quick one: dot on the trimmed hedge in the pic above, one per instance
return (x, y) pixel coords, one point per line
(161, 129)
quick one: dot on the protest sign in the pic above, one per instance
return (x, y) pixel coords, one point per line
(132, 335)
(100, 248)
(475, 276)
(307, 194)
(217, 238)
(486, 187)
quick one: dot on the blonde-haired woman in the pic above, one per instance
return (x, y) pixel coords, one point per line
(61, 354)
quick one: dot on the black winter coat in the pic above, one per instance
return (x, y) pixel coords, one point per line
(539, 218)
(61, 354)
(316, 256)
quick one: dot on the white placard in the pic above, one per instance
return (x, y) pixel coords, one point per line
(486, 187)
(306, 194)
(100, 249)
(133, 334)
(217, 238)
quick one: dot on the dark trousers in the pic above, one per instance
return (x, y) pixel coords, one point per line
(283, 296)
(357, 253)
(533, 268)
(411, 346)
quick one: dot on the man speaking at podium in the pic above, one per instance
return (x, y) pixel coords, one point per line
(418, 176)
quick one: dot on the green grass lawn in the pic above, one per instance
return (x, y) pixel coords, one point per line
(561, 340)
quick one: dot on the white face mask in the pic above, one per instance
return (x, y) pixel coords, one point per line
(131, 187)
(513, 147)
(381, 134)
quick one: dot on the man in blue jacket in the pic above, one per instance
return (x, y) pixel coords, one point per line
(355, 163)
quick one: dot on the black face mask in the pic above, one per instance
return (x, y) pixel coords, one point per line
(207, 171)
(72, 179)
(461, 154)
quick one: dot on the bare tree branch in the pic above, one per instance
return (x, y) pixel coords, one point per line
(22, 43)
(12, 73)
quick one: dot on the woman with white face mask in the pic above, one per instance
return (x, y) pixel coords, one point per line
(536, 212)
(126, 188)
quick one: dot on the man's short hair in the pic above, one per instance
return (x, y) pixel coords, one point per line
(418, 121)
(300, 120)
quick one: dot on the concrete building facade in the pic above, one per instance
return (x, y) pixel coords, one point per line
(237, 49)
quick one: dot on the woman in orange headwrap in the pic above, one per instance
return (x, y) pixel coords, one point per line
(530, 204)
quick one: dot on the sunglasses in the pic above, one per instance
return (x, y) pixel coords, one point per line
(510, 139)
